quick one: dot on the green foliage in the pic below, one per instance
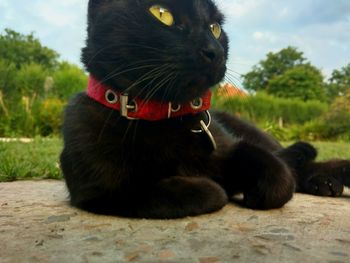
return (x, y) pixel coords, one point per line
(30, 80)
(337, 120)
(286, 74)
(22, 49)
(303, 81)
(274, 65)
(263, 108)
(334, 124)
(34, 86)
(339, 82)
(68, 80)
(7, 77)
(48, 116)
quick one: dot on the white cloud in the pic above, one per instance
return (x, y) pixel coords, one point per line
(284, 12)
(239, 8)
(53, 15)
(60, 13)
(268, 37)
(258, 35)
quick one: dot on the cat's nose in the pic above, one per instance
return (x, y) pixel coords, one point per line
(212, 54)
(208, 55)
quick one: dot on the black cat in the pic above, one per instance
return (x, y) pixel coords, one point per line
(142, 143)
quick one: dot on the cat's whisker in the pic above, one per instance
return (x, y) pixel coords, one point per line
(105, 125)
(233, 77)
(240, 75)
(160, 83)
(146, 76)
(171, 85)
(232, 81)
(119, 46)
(233, 72)
(159, 86)
(118, 72)
(143, 46)
(126, 68)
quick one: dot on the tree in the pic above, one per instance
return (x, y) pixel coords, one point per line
(303, 81)
(8, 73)
(274, 65)
(68, 80)
(22, 49)
(30, 80)
(339, 83)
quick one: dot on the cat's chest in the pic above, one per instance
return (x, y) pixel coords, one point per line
(187, 140)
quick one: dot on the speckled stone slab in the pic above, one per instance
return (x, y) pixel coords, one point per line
(38, 225)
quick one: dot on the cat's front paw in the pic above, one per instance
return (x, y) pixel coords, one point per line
(270, 184)
(298, 154)
(306, 151)
(325, 178)
(269, 195)
(323, 185)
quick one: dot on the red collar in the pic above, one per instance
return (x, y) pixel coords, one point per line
(136, 108)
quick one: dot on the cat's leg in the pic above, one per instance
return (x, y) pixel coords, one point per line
(239, 128)
(298, 154)
(174, 197)
(317, 178)
(325, 178)
(264, 179)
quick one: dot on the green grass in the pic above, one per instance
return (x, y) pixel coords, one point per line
(329, 150)
(332, 150)
(39, 159)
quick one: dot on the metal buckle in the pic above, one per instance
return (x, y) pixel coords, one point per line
(205, 128)
(125, 107)
(172, 109)
(111, 97)
(196, 104)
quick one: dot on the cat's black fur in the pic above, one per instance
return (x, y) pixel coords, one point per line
(160, 169)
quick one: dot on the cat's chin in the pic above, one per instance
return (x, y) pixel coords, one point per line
(196, 87)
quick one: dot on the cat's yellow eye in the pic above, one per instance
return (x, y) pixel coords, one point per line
(216, 30)
(162, 14)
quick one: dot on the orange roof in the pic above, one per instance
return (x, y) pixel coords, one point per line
(228, 90)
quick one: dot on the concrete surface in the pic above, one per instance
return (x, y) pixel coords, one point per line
(38, 225)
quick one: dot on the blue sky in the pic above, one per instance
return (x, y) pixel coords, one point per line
(319, 28)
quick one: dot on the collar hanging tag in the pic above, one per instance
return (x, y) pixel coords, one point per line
(209, 134)
(204, 129)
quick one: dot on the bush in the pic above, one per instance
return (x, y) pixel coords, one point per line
(68, 80)
(332, 125)
(19, 120)
(262, 108)
(337, 119)
(32, 102)
(48, 115)
(8, 73)
(30, 80)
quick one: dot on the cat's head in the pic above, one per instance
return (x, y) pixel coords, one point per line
(169, 50)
